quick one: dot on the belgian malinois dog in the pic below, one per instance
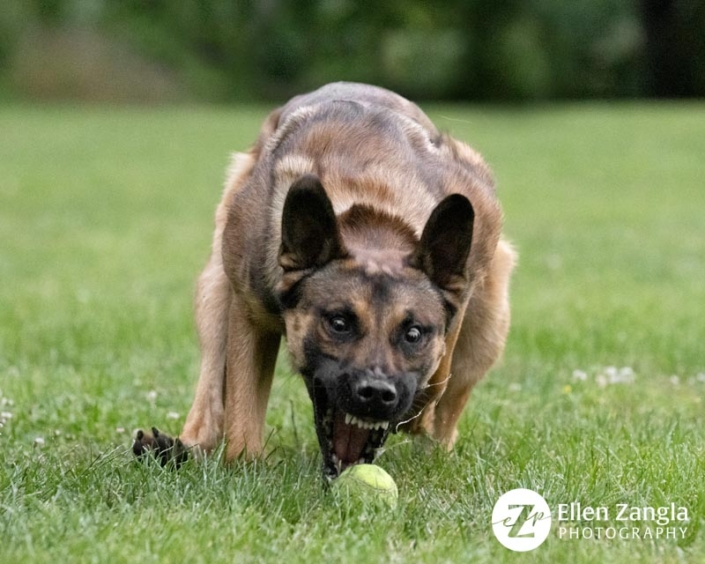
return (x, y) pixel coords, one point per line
(372, 243)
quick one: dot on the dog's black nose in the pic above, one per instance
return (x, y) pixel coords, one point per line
(374, 395)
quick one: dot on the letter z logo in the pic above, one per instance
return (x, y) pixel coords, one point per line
(521, 520)
(523, 517)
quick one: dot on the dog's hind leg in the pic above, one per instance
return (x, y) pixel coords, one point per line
(480, 344)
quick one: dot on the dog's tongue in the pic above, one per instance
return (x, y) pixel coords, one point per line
(348, 440)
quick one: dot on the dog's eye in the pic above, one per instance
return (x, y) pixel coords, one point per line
(340, 324)
(413, 335)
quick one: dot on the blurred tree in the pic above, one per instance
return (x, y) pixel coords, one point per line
(439, 49)
(675, 47)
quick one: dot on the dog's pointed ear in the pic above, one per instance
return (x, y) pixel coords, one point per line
(310, 235)
(445, 244)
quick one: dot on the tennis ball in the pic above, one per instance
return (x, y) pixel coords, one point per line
(369, 483)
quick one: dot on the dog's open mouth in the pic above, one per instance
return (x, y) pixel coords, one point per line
(347, 440)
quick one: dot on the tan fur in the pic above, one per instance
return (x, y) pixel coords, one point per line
(479, 343)
(240, 337)
(204, 424)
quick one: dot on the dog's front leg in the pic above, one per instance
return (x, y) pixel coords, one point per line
(251, 357)
(203, 429)
(481, 341)
(205, 423)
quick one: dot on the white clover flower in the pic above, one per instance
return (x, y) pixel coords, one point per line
(580, 375)
(613, 375)
(625, 375)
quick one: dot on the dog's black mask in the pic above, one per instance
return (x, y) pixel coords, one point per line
(355, 410)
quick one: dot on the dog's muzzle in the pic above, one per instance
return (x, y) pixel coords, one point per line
(355, 410)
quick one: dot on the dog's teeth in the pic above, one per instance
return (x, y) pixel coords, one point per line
(369, 425)
(357, 422)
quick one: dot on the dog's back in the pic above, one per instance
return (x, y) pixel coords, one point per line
(362, 94)
(371, 147)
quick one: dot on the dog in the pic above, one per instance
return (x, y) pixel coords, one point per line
(372, 242)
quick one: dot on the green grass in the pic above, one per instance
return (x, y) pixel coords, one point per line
(105, 221)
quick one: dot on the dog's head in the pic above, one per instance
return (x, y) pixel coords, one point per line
(367, 307)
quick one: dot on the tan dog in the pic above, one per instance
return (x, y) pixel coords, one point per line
(372, 243)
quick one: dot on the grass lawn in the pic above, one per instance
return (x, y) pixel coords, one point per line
(105, 221)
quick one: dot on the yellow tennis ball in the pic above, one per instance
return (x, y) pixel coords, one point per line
(369, 483)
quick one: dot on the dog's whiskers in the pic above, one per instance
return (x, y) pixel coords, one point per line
(396, 428)
(427, 386)
(417, 406)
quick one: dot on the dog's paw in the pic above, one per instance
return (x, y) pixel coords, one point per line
(164, 448)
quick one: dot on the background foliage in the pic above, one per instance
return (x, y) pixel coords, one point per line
(426, 49)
